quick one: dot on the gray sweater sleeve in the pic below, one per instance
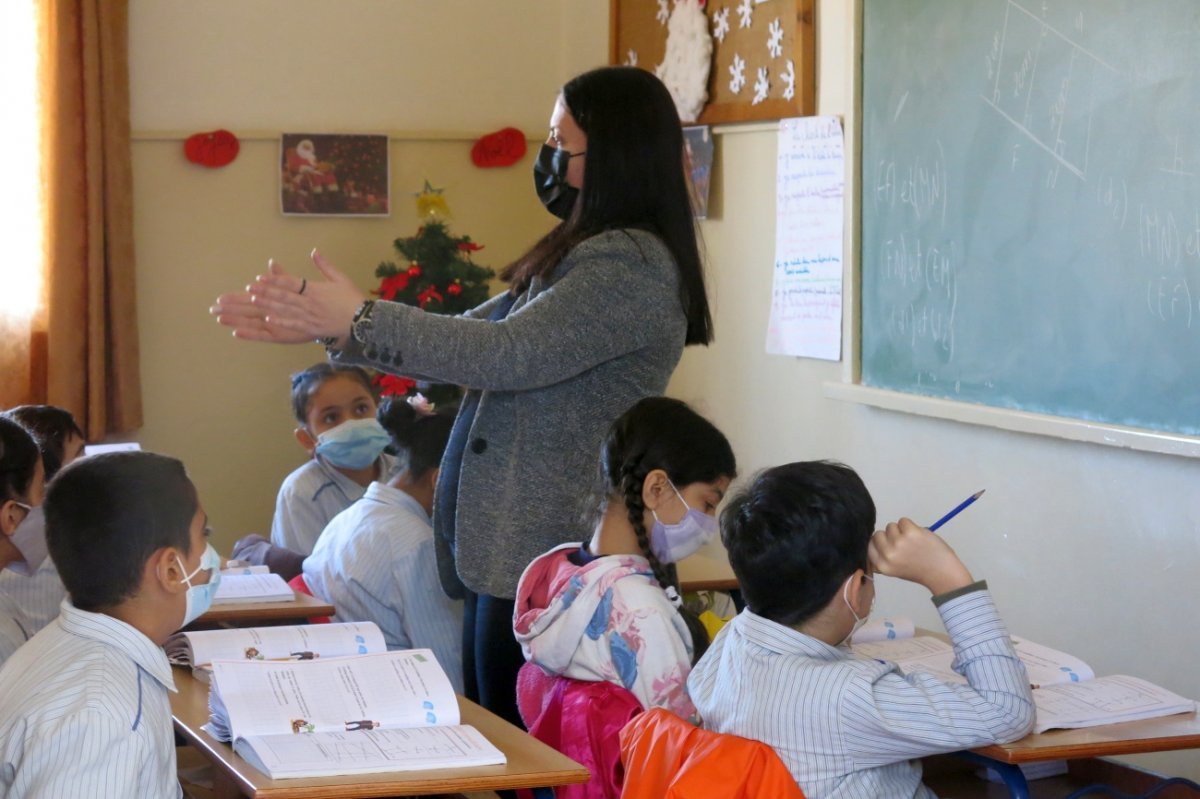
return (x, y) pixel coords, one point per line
(591, 314)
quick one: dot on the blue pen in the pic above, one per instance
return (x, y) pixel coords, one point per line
(959, 509)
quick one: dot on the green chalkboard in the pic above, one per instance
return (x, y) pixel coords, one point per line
(1031, 205)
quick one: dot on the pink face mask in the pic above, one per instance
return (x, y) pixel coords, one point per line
(671, 543)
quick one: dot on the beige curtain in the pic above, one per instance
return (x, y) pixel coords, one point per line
(81, 350)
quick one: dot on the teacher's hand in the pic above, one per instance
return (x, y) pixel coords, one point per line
(284, 309)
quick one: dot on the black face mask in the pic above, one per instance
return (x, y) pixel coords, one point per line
(550, 180)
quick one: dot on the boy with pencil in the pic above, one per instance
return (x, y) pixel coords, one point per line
(801, 545)
(83, 704)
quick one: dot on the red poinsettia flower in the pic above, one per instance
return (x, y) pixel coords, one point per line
(427, 296)
(469, 246)
(394, 385)
(391, 286)
(414, 270)
(454, 289)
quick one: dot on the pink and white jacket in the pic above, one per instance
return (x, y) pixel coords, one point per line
(607, 620)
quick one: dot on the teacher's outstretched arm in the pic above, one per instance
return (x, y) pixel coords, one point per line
(282, 308)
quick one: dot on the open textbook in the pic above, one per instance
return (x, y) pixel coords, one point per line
(252, 588)
(1068, 694)
(299, 642)
(392, 711)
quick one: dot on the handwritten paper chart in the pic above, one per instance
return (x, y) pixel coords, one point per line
(806, 295)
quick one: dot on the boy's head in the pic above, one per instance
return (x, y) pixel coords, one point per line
(57, 434)
(326, 395)
(795, 534)
(123, 525)
(22, 477)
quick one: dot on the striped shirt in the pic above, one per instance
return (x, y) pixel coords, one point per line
(84, 712)
(38, 595)
(375, 562)
(15, 627)
(848, 726)
(309, 499)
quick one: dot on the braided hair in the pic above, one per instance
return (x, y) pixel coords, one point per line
(663, 433)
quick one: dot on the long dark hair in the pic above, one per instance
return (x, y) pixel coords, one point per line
(633, 178)
(663, 433)
(418, 439)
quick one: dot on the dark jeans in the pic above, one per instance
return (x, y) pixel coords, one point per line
(491, 655)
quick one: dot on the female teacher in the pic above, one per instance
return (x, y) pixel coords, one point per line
(596, 317)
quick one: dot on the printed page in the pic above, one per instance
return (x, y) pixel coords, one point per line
(368, 751)
(298, 642)
(252, 588)
(1104, 700)
(231, 571)
(391, 689)
(884, 629)
(1047, 666)
(923, 653)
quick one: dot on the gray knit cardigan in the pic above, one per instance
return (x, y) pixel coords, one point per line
(572, 355)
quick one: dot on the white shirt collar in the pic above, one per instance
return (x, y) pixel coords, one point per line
(125, 638)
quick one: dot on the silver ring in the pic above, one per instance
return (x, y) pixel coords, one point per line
(303, 284)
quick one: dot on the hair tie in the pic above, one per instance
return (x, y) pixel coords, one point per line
(674, 596)
(421, 405)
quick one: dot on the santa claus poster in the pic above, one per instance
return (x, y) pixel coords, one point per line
(333, 174)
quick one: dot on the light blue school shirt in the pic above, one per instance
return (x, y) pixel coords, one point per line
(37, 595)
(15, 627)
(84, 712)
(309, 499)
(376, 562)
(849, 726)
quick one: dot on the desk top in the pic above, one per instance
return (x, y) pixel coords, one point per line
(1166, 733)
(298, 610)
(531, 764)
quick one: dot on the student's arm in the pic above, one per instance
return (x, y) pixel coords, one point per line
(886, 716)
(650, 651)
(298, 521)
(429, 617)
(87, 754)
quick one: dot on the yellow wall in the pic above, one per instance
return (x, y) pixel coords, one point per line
(1087, 548)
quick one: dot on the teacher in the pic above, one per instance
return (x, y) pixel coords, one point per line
(596, 317)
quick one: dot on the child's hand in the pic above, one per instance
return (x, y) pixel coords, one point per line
(910, 552)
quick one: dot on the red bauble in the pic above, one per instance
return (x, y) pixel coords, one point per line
(414, 270)
(213, 149)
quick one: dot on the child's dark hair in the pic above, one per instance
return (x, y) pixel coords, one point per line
(418, 439)
(795, 534)
(663, 433)
(50, 427)
(305, 383)
(18, 460)
(107, 514)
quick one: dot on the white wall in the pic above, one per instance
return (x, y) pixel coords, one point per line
(1087, 548)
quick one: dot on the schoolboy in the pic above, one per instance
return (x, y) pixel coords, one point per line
(334, 406)
(33, 584)
(800, 543)
(21, 483)
(83, 705)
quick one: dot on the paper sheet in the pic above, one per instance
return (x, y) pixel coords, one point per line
(252, 588)
(806, 297)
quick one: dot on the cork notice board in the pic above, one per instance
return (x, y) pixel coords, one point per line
(638, 33)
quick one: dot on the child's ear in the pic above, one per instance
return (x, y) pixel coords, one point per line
(11, 515)
(655, 489)
(305, 440)
(166, 566)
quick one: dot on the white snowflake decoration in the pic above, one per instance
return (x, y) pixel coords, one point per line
(775, 39)
(745, 14)
(631, 58)
(721, 24)
(737, 74)
(761, 86)
(664, 12)
(789, 81)
(688, 59)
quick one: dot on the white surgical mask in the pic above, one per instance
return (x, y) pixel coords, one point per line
(354, 444)
(858, 623)
(671, 543)
(30, 540)
(200, 597)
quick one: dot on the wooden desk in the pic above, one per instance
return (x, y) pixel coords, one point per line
(246, 614)
(531, 764)
(1162, 734)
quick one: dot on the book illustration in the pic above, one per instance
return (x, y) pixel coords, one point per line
(300, 725)
(305, 655)
(352, 726)
(297, 642)
(252, 653)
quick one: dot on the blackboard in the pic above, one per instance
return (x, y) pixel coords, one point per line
(1031, 206)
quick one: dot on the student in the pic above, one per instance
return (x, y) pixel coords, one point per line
(34, 584)
(376, 562)
(335, 408)
(83, 705)
(21, 483)
(608, 609)
(800, 542)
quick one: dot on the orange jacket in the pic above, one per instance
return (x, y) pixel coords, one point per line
(665, 757)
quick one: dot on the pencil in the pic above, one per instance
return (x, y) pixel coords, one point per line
(957, 510)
